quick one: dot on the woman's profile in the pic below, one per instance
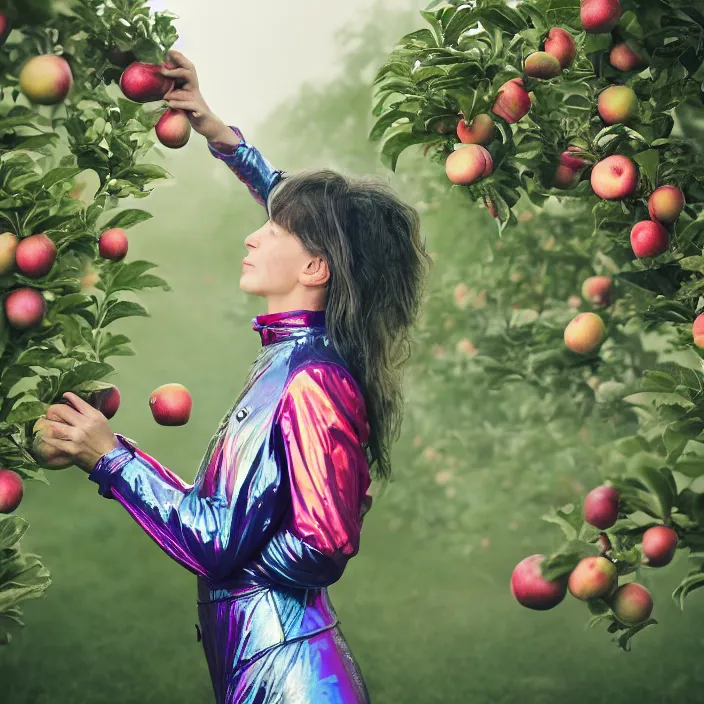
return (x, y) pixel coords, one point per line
(275, 511)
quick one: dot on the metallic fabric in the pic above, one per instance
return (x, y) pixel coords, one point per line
(250, 167)
(273, 516)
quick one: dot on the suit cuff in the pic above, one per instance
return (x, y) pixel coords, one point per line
(228, 150)
(112, 463)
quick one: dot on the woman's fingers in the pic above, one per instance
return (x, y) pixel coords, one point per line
(179, 94)
(190, 105)
(178, 58)
(184, 73)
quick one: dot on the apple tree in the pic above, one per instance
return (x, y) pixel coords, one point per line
(568, 121)
(63, 267)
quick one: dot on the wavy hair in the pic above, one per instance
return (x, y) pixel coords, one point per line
(371, 241)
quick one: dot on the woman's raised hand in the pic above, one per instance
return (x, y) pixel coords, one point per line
(186, 95)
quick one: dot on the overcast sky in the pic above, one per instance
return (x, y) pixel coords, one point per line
(250, 55)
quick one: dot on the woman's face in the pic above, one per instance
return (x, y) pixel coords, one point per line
(277, 265)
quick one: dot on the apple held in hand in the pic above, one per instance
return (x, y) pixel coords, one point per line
(47, 457)
(171, 404)
(144, 83)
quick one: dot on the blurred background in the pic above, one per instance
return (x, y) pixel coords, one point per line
(425, 605)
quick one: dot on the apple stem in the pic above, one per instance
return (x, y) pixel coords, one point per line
(604, 543)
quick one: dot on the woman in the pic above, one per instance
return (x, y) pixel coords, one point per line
(276, 508)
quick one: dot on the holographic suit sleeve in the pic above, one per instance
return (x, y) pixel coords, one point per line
(320, 427)
(320, 422)
(248, 164)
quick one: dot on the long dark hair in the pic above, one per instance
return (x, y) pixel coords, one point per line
(371, 241)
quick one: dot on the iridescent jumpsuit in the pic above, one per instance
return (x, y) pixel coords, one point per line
(275, 511)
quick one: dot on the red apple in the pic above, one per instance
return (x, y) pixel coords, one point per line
(570, 159)
(144, 83)
(542, 64)
(107, 401)
(512, 101)
(599, 16)
(112, 244)
(171, 404)
(468, 164)
(601, 507)
(480, 131)
(5, 28)
(597, 290)
(35, 255)
(665, 204)
(631, 603)
(624, 58)
(560, 44)
(614, 178)
(698, 331)
(24, 308)
(659, 545)
(11, 490)
(531, 590)
(617, 104)
(592, 578)
(649, 239)
(173, 129)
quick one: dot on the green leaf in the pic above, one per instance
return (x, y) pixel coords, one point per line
(127, 218)
(26, 411)
(569, 520)
(648, 469)
(648, 160)
(63, 173)
(625, 638)
(691, 582)
(12, 528)
(123, 309)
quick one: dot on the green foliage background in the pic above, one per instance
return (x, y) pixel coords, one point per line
(426, 604)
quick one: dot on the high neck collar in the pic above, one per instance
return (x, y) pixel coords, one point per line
(274, 327)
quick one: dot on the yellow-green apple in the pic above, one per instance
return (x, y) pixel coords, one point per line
(468, 164)
(11, 490)
(601, 507)
(561, 45)
(171, 404)
(584, 333)
(624, 58)
(599, 16)
(698, 331)
(592, 578)
(659, 545)
(614, 178)
(46, 456)
(173, 129)
(5, 28)
(480, 131)
(665, 204)
(617, 104)
(631, 603)
(649, 238)
(46, 79)
(597, 290)
(24, 308)
(531, 590)
(8, 251)
(542, 64)
(144, 83)
(35, 255)
(112, 244)
(512, 101)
